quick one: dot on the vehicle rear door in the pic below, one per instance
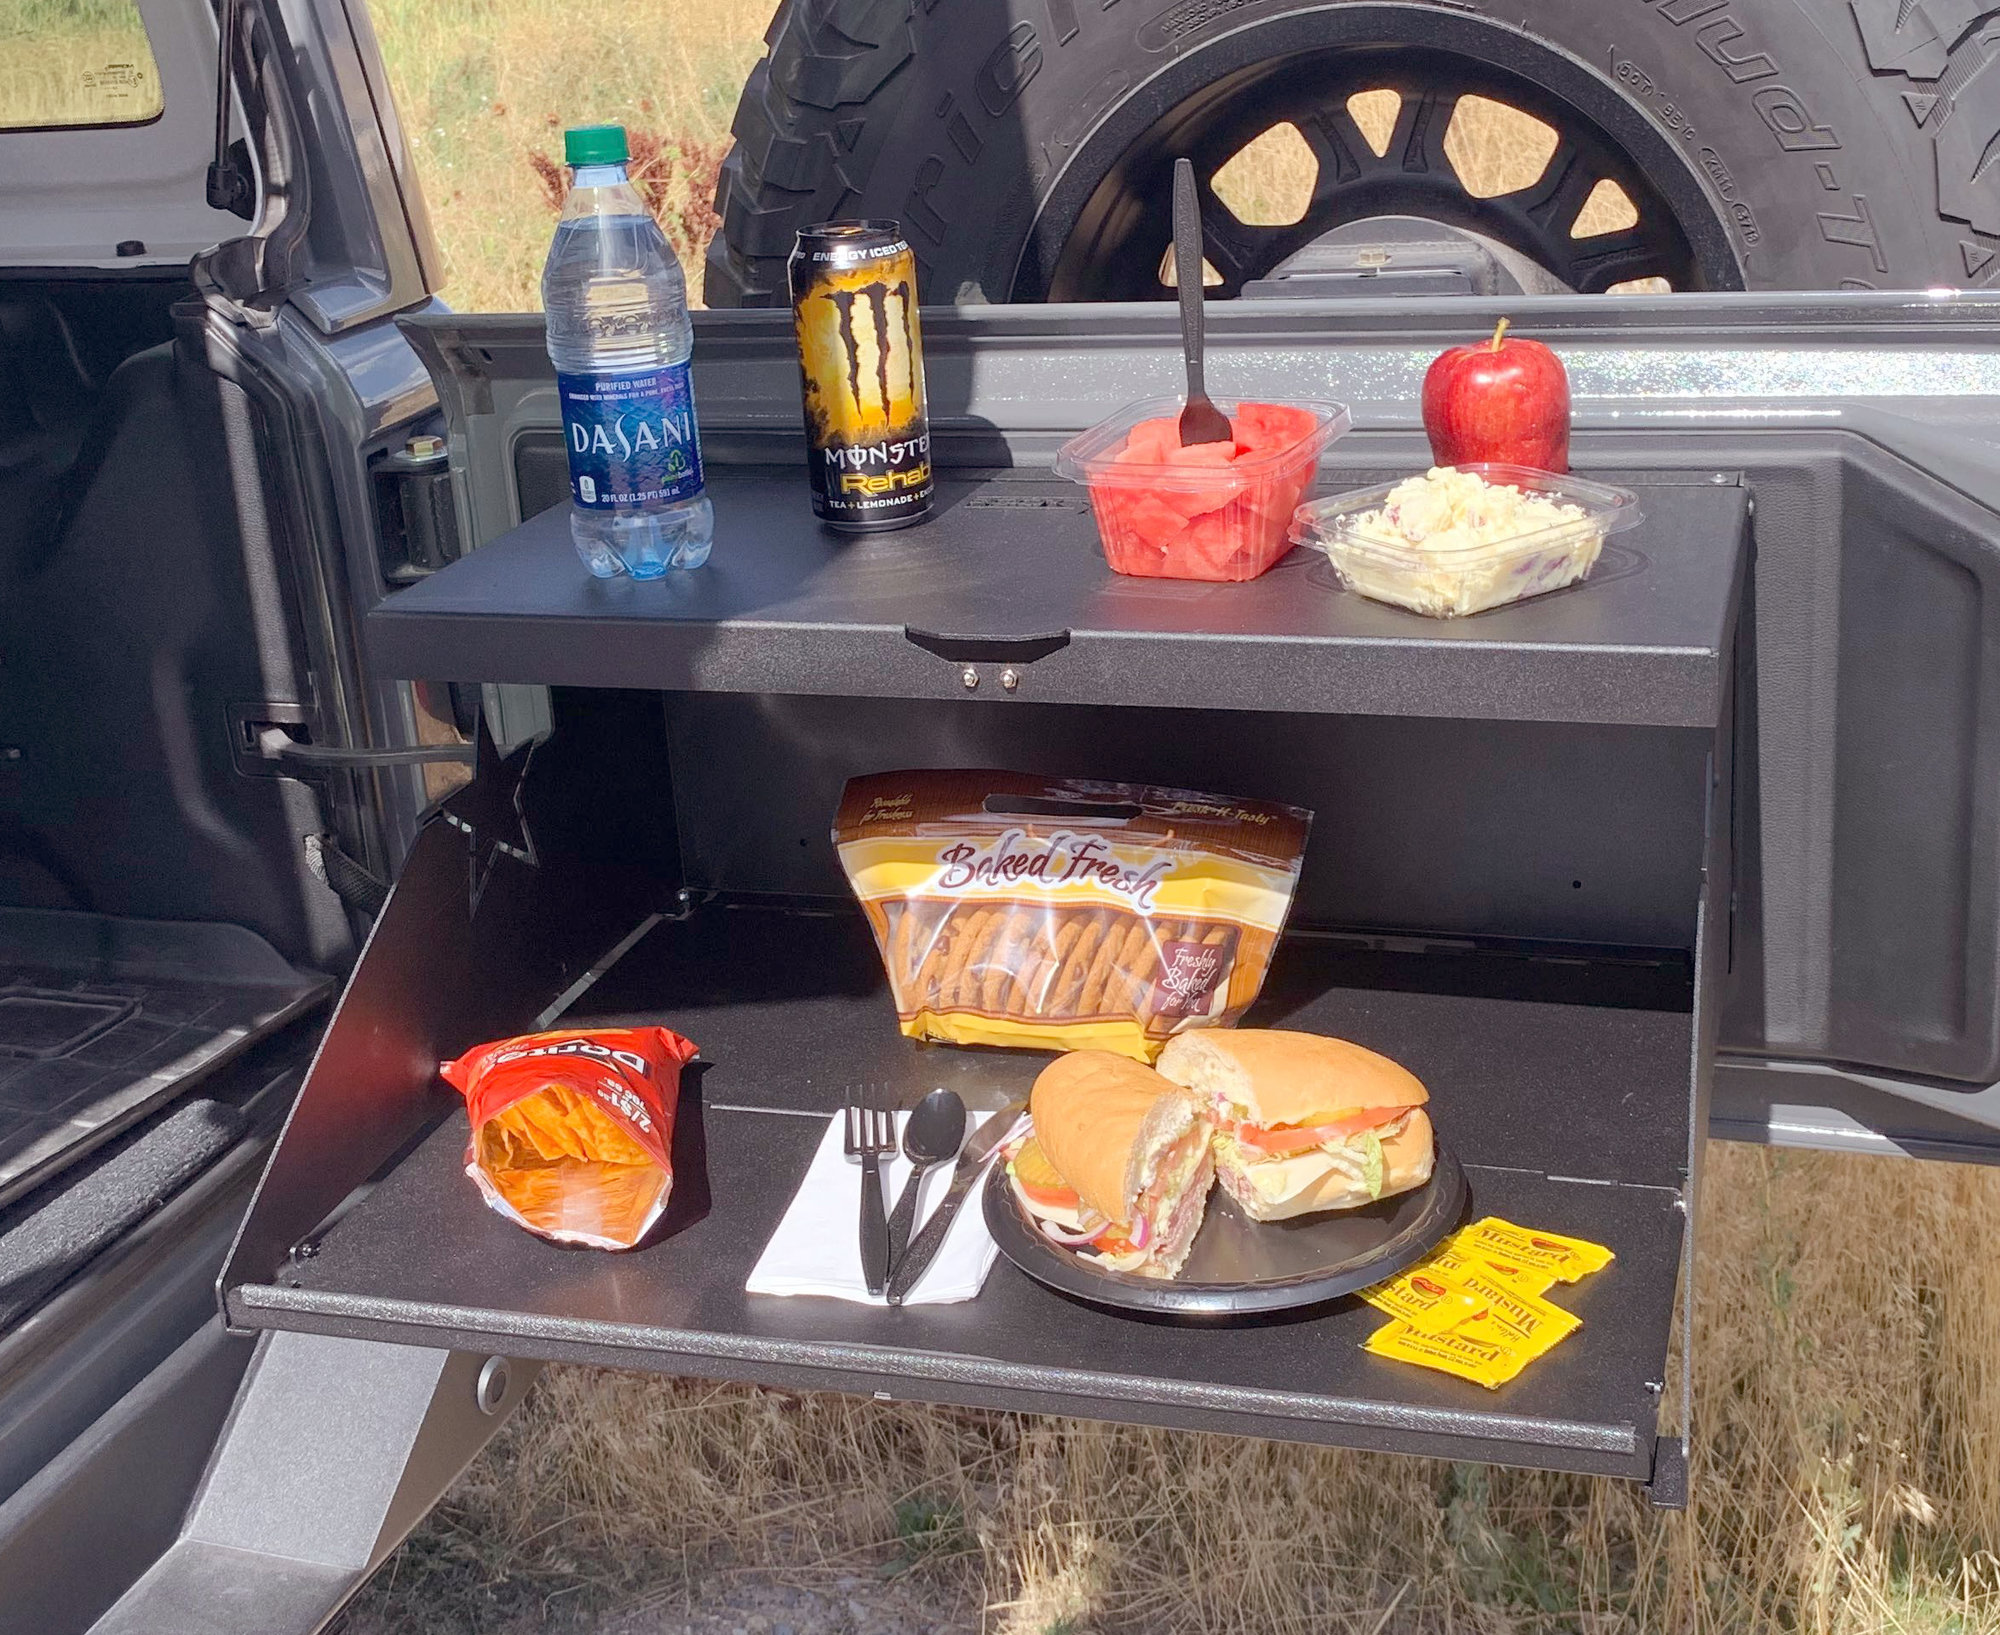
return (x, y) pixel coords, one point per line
(212, 461)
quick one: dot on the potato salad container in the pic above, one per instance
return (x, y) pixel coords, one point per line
(1462, 539)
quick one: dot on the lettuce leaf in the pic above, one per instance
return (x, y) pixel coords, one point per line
(1370, 1145)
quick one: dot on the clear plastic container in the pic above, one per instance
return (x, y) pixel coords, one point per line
(1164, 512)
(1447, 583)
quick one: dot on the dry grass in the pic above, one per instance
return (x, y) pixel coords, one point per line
(485, 88)
(1845, 1481)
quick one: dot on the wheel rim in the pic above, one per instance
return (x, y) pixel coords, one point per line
(1102, 232)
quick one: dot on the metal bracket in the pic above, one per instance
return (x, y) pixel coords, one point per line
(1668, 1490)
(333, 1451)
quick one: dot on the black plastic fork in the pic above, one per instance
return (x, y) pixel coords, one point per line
(870, 1136)
(1201, 420)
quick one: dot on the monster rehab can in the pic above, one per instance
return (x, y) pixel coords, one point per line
(868, 438)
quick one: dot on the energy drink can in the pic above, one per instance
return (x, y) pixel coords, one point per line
(861, 358)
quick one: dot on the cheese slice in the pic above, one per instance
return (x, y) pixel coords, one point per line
(1281, 1179)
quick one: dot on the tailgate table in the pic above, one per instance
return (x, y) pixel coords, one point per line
(682, 873)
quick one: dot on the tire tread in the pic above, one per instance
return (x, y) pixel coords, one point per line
(824, 58)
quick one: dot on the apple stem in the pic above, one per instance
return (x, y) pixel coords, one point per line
(1499, 331)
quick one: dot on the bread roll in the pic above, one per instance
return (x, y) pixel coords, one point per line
(1271, 1076)
(1098, 1116)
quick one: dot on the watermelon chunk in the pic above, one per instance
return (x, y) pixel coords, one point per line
(1164, 511)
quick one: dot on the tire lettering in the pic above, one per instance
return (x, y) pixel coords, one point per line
(1713, 37)
(1169, 30)
(1011, 64)
(959, 129)
(1786, 118)
(918, 207)
(1627, 72)
(1855, 229)
(1062, 18)
(1779, 106)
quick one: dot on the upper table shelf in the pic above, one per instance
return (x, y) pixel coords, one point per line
(1007, 573)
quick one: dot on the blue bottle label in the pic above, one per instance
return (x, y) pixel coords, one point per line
(631, 436)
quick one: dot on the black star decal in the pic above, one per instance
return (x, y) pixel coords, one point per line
(489, 813)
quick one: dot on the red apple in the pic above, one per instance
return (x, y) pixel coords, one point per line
(1505, 400)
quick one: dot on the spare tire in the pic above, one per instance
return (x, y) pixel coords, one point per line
(1025, 145)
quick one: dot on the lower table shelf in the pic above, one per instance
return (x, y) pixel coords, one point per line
(424, 1262)
(1569, 1116)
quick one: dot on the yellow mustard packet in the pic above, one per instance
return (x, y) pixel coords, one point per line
(1564, 1259)
(1449, 1293)
(1522, 1320)
(1430, 1301)
(1488, 1362)
(1453, 1265)
(1474, 1307)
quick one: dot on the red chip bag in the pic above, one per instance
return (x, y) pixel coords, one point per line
(573, 1131)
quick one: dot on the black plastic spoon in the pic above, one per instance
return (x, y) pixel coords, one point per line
(1201, 420)
(933, 1136)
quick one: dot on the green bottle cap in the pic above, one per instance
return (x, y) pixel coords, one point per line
(595, 145)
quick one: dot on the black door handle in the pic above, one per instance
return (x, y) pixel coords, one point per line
(986, 649)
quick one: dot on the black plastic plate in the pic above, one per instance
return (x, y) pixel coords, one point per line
(1240, 1267)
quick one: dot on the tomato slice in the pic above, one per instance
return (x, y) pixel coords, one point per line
(1282, 1140)
(1039, 1181)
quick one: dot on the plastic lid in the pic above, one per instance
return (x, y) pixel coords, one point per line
(595, 145)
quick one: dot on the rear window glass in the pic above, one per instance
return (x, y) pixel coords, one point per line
(75, 62)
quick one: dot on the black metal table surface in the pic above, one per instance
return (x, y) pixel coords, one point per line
(423, 1261)
(1571, 1117)
(1568, 1068)
(1009, 562)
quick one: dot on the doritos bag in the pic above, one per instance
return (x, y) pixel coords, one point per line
(572, 1131)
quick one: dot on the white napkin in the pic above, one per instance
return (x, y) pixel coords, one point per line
(817, 1246)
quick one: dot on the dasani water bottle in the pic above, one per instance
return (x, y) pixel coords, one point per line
(619, 337)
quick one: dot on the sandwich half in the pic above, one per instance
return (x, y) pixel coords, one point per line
(1302, 1122)
(1118, 1168)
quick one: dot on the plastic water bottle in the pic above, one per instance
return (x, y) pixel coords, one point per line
(619, 337)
